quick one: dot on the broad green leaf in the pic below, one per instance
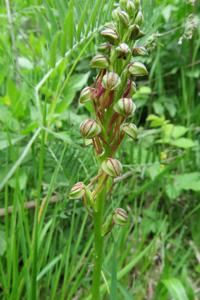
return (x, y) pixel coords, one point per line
(156, 121)
(188, 181)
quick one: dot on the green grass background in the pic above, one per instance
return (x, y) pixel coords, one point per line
(45, 49)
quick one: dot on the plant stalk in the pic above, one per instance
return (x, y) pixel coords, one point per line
(98, 241)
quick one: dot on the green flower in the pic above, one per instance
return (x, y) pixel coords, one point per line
(89, 129)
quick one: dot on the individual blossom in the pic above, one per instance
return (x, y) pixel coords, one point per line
(89, 129)
(120, 217)
(86, 95)
(135, 32)
(110, 33)
(130, 129)
(130, 8)
(125, 107)
(99, 61)
(123, 50)
(77, 191)
(111, 81)
(112, 167)
(139, 18)
(139, 51)
(121, 16)
(137, 69)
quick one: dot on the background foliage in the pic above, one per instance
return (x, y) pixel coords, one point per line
(45, 49)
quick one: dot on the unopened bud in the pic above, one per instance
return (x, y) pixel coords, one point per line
(86, 95)
(137, 4)
(125, 107)
(77, 191)
(139, 18)
(110, 81)
(141, 51)
(130, 7)
(130, 129)
(110, 34)
(121, 16)
(89, 129)
(137, 69)
(120, 217)
(123, 3)
(123, 50)
(112, 167)
(99, 61)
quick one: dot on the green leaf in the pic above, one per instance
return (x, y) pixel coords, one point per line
(176, 289)
(3, 244)
(49, 266)
(54, 47)
(156, 121)
(74, 85)
(184, 143)
(188, 181)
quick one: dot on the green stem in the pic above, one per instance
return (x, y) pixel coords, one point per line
(98, 242)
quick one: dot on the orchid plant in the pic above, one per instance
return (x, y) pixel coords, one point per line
(111, 95)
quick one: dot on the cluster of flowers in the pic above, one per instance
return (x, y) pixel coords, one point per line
(111, 95)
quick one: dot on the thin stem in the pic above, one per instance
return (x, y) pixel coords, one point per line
(98, 241)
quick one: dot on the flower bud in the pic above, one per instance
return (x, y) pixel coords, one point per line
(120, 217)
(137, 4)
(130, 129)
(123, 3)
(125, 107)
(137, 69)
(130, 7)
(89, 129)
(121, 16)
(86, 95)
(77, 191)
(110, 34)
(141, 51)
(139, 18)
(99, 61)
(110, 81)
(123, 50)
(112, 167)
